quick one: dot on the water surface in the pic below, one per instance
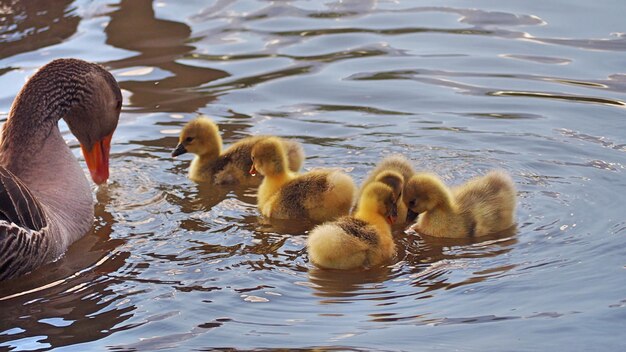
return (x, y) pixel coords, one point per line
(535, 88)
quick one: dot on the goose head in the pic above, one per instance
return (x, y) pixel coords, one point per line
(95, 119)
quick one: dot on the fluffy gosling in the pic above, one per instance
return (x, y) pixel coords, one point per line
(319, 195)
(400, 165)
(230, 167)
(482, 206)
(361, 240)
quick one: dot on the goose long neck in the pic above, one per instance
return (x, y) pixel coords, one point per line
(32, 147)
(59, 183)
(49, 95)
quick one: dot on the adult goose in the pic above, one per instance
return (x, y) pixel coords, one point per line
(45, 199)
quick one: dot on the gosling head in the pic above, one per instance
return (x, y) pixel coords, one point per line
(394, 180)
(268, 158)
(424, 192)
(200, 136)
(380, 198)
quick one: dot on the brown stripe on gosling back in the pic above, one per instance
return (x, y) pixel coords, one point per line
(309, 186)
(239, 154)
(358, 228)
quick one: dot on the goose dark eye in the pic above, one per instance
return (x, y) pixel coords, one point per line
(188, 139)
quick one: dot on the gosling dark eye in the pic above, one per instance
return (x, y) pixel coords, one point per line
(118, 106)
(412, 203)
(188, 139)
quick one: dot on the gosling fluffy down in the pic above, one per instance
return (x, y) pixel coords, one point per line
(482, 206)
(387, 171)
(319, 195)
(201, 137)
(361, 240)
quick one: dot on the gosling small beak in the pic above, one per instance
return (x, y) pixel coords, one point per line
(253, 171)
(98, 159)
(180, 149)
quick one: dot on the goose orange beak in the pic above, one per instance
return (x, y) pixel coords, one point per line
(252, 171)
(391, 219)
(98, 159)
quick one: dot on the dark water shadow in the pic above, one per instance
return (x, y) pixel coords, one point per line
(430, 259)
(426, 260)
(444, 79)
(27, 26)
(342, 286)
(160, 43)
(77, 286)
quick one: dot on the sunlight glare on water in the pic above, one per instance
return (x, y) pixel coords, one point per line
(535, 88)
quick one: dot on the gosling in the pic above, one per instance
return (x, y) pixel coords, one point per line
(318, 195)
(400, 165)
(361, 240)
(230, 167)
(482, 206)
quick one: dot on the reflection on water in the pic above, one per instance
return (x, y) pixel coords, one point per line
(82, 275)
(32, 25)
(160, 45)
(175, 265)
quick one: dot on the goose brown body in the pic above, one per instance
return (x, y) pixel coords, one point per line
(45, 199)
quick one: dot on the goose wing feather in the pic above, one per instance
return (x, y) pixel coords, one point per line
(23, 226)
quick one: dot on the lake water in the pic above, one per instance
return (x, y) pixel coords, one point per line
(537, 88)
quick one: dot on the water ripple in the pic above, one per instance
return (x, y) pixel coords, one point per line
(459, 91)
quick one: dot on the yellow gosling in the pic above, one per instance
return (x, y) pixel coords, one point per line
(361, 240)
(201, 137)
(400, 165)
(482, 206)
(319, 195)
